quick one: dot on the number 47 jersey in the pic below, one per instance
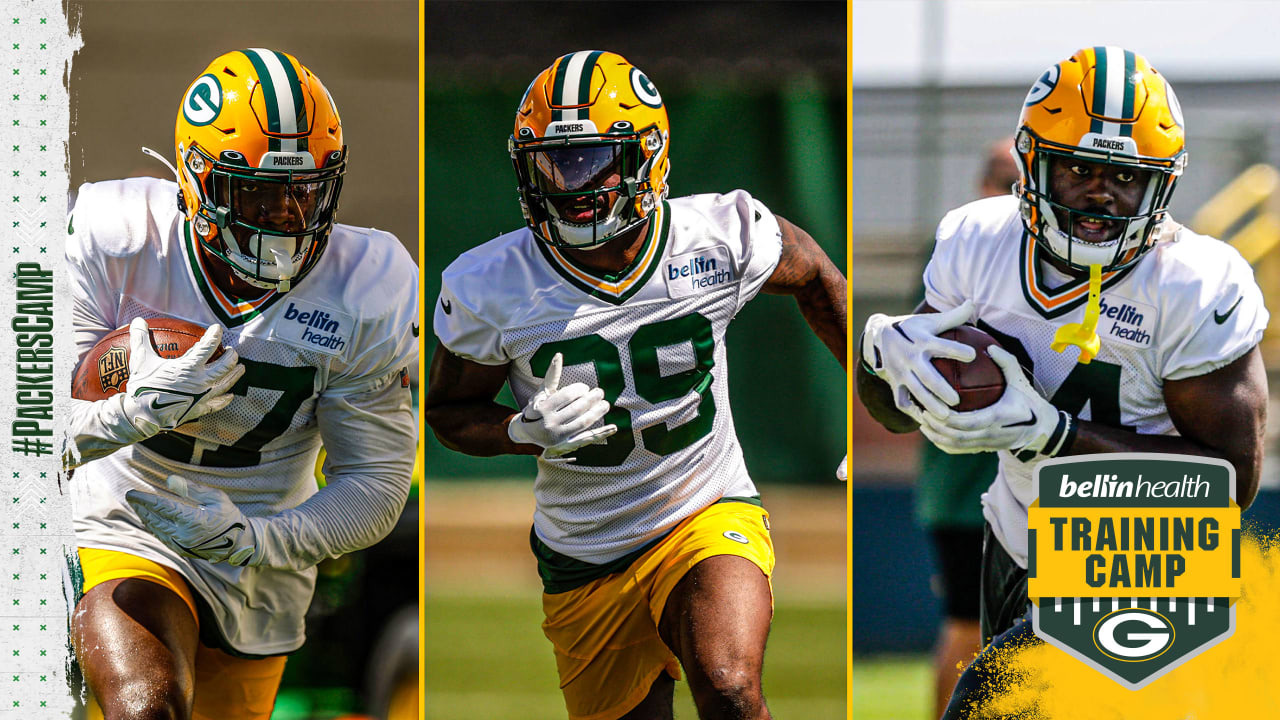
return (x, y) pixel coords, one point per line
(340, 335)
(1188, 307)
(650, 336)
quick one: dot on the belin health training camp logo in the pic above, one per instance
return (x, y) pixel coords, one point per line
(1134, 560)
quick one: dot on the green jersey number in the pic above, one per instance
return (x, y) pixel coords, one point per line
(650, 384)
(295, 385)
(1096, 383)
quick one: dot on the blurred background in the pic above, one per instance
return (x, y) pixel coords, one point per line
(756, 94)
(934, 85)
(126, 85)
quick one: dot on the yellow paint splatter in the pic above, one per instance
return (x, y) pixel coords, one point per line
(1237, 678)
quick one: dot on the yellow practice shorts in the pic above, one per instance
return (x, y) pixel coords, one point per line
(226, 687)
(605, 633)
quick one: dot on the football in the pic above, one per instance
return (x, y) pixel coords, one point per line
(979, 383)
(105, 369)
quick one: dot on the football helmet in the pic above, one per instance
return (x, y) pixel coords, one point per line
(590, 149)
(1103, 105)
(260, 165)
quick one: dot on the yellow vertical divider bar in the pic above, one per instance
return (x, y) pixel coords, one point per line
(849, 350)
(421, 459)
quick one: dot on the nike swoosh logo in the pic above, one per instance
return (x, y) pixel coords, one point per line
(206, 546)
(447, 306)
(415, 329)
(226, 543)
(159, 406)
(1223, 317)
(1024, 423)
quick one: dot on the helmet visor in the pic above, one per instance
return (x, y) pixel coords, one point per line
(276, 204)
(576, 169)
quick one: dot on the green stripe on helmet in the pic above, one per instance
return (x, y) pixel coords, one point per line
(299, 104)
(1099, 84)
(1130, 91)
(268, 98)
(557, 87)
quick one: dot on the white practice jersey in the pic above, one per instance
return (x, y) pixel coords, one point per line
(342, 330)
(1188, 307)
(651, 336)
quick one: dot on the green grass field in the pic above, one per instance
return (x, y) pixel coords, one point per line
(485, 653)
(486, 657)
(892, 687)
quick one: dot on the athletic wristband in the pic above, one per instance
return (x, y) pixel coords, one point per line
(1063, 435)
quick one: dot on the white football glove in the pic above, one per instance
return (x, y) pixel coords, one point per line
(163, 394)
(559, 419)
(1021, 421)
(197, 521)
(842, 472)
(898, 350)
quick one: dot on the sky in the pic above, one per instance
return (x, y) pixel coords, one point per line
(1002, 41)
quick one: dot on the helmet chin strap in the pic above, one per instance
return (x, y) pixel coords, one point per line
(284, 267)
(278, 247)
(163, 159)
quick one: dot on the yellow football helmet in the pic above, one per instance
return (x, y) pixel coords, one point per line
(260, 164)
(1104, 105)
(590, 149)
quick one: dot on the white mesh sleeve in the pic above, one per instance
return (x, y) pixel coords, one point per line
(1226, 322)
(386, 341)
(369, 439)
(464, 332)
(97, 429)
(94, 429)
(761, 244)
(943, 284)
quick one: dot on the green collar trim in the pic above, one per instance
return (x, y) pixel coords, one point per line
(217, 300)
(1030, 246)
(603, 287)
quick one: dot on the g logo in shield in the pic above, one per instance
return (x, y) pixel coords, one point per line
(113, 370)
(1134, 634)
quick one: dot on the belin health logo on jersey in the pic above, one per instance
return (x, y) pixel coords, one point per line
(1134, 560)
(1126, 321)
(698, 272)
(314, 327)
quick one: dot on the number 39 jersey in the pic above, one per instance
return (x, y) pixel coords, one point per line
(650, 336)
(341, 331)
(1187, 308)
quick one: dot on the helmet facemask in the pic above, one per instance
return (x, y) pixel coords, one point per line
(585, 191)
(1055, 225)
(273, 224)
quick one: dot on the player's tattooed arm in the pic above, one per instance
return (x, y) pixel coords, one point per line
(819, 287)
(1220, 414)
(461, 410)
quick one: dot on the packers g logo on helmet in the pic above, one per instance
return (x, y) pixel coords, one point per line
(1103, 105)
(203, 101)
(260, 165)
(590, 149)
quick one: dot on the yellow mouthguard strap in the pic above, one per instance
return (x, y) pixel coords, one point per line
(1084, 335)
